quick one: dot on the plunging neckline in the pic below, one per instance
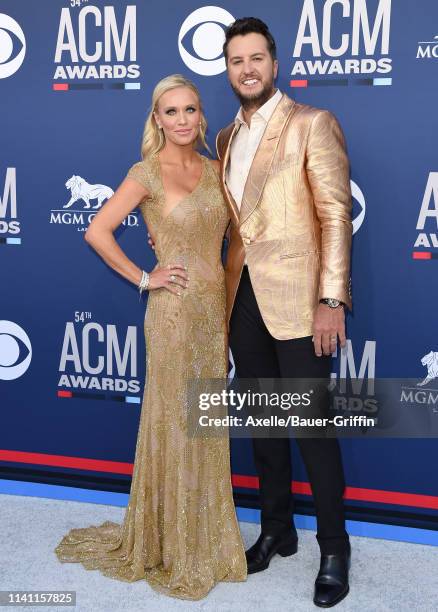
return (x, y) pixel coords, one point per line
(188, 195)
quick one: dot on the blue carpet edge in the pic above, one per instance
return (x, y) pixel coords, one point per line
(246, 515)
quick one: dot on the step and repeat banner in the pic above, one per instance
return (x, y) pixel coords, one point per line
(76, 78)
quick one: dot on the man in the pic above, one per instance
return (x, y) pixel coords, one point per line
(285, 176)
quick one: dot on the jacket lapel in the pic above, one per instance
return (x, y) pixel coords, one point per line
(224, 162)
(263, 158)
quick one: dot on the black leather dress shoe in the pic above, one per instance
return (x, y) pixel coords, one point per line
(331, 584)
(261, 553)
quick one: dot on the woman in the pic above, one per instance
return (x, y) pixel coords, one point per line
(180, 531)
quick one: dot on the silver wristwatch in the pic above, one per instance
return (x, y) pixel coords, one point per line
(331, 302)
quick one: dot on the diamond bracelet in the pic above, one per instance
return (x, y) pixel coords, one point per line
(144, 283)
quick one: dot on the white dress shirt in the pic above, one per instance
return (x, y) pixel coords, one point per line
(244, 146)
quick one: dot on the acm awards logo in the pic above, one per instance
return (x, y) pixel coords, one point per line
(98, 357)
(427, 223)
(97, 43)
(15, 351)
(10, 228)
(12, 46)
(201, 38)
(343, 37)
(85, 199)
(354, 380)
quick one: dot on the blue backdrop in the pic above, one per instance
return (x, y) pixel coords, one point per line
(76, 79)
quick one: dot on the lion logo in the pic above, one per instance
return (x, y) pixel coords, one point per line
(431, 362)
(81, 190)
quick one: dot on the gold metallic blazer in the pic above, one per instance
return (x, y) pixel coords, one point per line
(294, 225)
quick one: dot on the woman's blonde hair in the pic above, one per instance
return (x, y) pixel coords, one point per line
(153, 138)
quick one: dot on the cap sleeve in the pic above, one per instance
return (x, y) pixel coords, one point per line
(139, 172)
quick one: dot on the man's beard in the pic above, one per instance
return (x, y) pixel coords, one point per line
(255, 101)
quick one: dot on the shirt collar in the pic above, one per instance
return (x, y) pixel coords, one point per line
(265, 111)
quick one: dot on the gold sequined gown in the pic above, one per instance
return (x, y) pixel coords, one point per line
(180, 531)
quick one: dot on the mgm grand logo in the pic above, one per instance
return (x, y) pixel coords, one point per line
(85, 198)
(424, 392)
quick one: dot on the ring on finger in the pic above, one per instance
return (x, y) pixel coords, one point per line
(172, 278)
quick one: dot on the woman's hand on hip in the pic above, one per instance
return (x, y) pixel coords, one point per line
(173, 277)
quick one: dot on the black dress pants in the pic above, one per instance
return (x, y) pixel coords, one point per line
(257, 354)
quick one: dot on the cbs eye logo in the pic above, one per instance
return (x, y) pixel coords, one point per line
(360, 199)
(11, 38)
(15, 351)
(206, 40)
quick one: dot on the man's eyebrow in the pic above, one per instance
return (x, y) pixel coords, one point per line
(252, 55)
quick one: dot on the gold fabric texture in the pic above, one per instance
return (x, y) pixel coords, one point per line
(294, 224)
(180, 532)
